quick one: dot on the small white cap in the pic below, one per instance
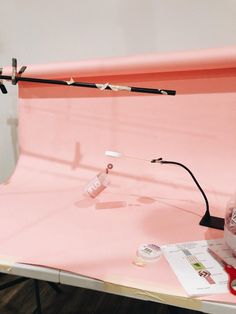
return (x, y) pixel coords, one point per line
(112, 154)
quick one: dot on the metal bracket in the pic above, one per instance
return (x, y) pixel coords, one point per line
(22, 70)
(2, 86)
(14, 71)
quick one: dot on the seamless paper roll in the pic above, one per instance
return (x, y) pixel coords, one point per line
(63, 133)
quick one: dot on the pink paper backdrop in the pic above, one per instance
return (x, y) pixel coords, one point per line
(64, 131)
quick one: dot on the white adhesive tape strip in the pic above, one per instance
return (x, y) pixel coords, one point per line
(102, 86)
(165, 298)
(6, 263)
(71, 81)
(113, 87)
(117, 88)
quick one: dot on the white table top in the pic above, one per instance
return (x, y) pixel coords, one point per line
(67, 278)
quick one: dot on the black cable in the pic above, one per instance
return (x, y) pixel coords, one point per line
(161, 161)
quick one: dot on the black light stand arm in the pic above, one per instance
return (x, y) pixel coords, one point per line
(207, 220)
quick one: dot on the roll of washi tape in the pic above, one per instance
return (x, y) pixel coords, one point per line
(147, 253)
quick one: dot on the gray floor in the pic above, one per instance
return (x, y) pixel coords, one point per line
(21, 299)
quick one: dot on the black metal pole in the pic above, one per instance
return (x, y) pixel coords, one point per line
(37, 296)
(90, 85)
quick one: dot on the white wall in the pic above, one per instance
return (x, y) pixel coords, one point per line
(65, 30)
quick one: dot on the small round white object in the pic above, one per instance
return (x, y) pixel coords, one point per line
(112, 154)
(149, 252)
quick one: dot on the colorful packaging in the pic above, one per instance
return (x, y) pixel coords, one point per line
(230, 224)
